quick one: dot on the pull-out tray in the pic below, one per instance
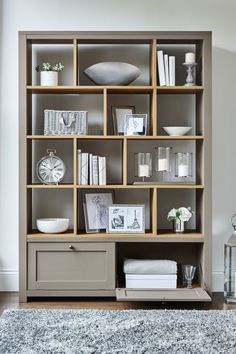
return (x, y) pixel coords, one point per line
(179, 294)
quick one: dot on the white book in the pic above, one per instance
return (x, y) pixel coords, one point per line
(161, 68)
(172, 70)
(46, 127)
(84, 168)
(167, 74)
(104, 164)
(95, 170)
(79, 163)
(101, 170)
(91, 169)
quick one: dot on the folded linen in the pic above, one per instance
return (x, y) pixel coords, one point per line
(149, 266)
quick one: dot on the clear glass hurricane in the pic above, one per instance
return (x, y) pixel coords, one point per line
(189, 272)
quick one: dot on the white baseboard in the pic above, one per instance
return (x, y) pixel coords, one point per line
(9, 280)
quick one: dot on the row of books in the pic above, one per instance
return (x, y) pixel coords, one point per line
(91, 169)
(166, 69)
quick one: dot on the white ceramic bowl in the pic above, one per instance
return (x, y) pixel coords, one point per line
(52, 225)
(177, 131)
(112, 73)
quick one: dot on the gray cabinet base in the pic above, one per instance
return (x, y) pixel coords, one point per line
(196, 294)
(70, 293)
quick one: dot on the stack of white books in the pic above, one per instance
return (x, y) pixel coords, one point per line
(150, 274)
(166, 69)
(91, 169)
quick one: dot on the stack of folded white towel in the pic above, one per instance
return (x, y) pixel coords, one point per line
(150, 273)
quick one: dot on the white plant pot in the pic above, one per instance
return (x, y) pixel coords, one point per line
(49, 78)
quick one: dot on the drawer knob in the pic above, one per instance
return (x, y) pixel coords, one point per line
(71, 247)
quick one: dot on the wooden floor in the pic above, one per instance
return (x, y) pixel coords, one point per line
(11, 301)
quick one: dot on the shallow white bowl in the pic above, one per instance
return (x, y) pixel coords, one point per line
(177, 131)
(112, 73)
(52, 225)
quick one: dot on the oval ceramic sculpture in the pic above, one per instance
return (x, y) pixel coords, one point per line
(112, 73)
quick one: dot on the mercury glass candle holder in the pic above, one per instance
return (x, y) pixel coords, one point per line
(143, 165)
(183, 164)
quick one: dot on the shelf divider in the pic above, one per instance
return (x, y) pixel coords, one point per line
(125, 161)
(153, 120)
(105, 112)
(75, 169)
(75, 63)
(153, 63)
(154, 210)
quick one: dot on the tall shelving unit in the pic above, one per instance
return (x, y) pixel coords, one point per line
(79, 264)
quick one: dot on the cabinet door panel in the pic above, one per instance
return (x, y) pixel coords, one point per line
(71, 266)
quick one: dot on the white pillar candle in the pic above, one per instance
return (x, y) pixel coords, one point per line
(143, 170)
(182, 170)
(163, 165)
(190, 58)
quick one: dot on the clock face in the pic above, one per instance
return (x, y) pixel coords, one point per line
(50, 169)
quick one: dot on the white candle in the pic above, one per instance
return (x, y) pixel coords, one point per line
(182, 170)
(143, 170)
(234, 284)
(190, 58)
(163, 165)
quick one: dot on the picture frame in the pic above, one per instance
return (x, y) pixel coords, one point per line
(126, 218)
(119, 117)
(135, 124)
(95, 207)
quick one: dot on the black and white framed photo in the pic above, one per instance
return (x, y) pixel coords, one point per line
(125, 218)
(96, 210)
(119, 117)
(135, 124)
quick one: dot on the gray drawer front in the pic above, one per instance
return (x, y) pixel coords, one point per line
(71, 266)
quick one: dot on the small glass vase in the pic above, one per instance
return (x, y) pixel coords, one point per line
(143, 165)
(178, 226)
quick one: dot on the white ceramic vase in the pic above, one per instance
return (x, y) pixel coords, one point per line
(49, 78)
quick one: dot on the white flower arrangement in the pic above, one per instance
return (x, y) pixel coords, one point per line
(182, 214)
(49, 67)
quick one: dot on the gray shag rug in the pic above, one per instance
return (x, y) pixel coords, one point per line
(130, 331)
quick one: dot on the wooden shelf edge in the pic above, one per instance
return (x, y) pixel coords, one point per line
(117, 186)
(144, 186)
(117, 137)
(104, 237)
(52, 186)
(179, 89)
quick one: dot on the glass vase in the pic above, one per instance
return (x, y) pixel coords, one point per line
(183, 164)
(143, 165)
(178, 226)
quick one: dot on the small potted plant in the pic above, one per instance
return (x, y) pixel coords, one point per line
(49, 73)
(179, 217)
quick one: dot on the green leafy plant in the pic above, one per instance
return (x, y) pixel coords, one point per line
(49, 67)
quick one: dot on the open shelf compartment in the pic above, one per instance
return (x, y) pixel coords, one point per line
(188, 253)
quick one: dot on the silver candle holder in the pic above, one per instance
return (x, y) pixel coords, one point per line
(190, 73)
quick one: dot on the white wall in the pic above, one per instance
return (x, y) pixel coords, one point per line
(215, 15)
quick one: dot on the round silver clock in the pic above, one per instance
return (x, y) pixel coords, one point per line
(50, 169)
